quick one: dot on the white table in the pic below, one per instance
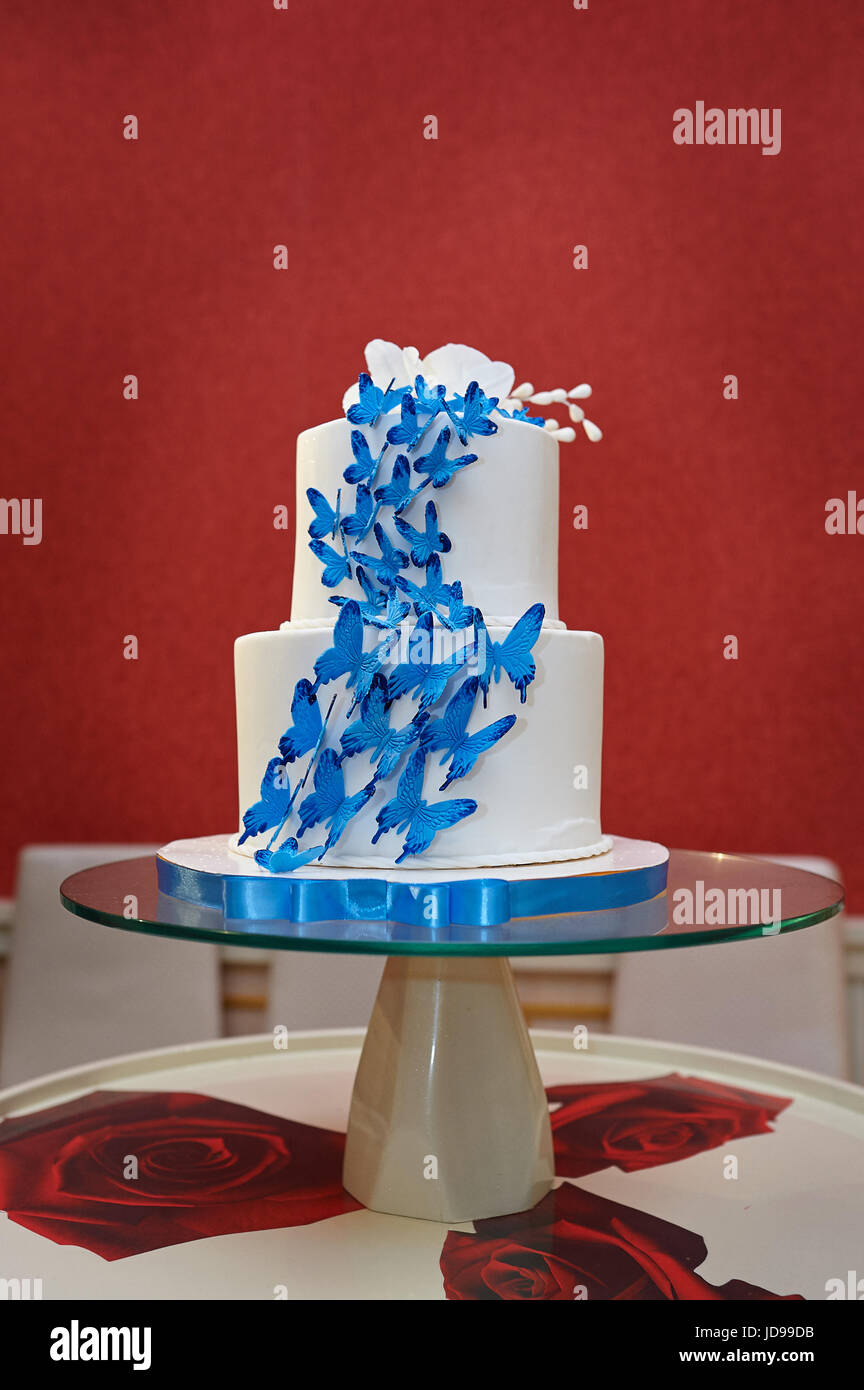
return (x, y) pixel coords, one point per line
(791, 1221)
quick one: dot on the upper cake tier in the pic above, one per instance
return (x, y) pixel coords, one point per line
(501, 517)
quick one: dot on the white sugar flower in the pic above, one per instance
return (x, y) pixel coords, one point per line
(454, 367)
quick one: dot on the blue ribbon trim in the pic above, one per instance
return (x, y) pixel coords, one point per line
(477, 902)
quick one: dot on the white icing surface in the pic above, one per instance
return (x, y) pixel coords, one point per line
(501, 514)
(529, 810)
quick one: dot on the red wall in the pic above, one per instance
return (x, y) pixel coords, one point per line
(259, 127)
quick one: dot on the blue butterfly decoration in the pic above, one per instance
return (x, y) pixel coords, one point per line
(361, 520)
(373, 731)
(459, 614)
(306, 726)
(336, 567)
(513, 655)
(392, 615)
(274, 804)
(450, 732)
(407, 809)
(346, 657)
(429, 401)
(373, 401)
(326, 521)
(476, 408)
(287, 857)
(390, 562)
(375, 601)
(439, 468)
(433, 593)
(425, 543)
(427, 679)
(382, 607)
(316, 748)
(409, 430)
(365, 467)
(523, 413)
(328, 802)
(398, 493)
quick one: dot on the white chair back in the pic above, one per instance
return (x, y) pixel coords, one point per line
(782, 998)
(76, 991)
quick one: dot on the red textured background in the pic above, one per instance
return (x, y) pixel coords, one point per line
(259, 127)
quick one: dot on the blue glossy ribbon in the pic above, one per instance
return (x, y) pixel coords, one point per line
(478, 902)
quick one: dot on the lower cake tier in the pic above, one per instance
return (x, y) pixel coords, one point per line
(537, 790)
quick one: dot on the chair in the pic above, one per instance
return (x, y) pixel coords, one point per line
(76, 992)
(782, 998)
(320, 990)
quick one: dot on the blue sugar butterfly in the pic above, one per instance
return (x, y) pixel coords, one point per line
(373, 731)
(398, 493)
(373, 401)
(426, 599)
(326, 520)
(427, 679)
(274, 804)
(439, 468)
(328, 802)
(393, 614)
(336, 567)
(306, 725)
(475, 410)
(304, 779)
(361, 520)
(450, 732)
(365, 467)
(408, 809)
(390, 562)
(459, 614)
(375, 601)
(513, 655)
(425, 543)
(287, 857)
(409, 430)
(522, 413)
(346, 657)
(429, 401)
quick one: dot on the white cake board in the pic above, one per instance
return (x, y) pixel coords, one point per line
(214, 854)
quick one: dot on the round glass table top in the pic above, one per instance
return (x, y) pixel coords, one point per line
(708, 897)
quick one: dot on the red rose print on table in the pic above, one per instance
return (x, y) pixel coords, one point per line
(205, 1167)
(640, 1124)
(575, 1245)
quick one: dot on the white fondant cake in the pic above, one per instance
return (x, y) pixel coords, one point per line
(537, 790)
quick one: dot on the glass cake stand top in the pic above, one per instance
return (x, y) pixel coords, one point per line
(709, 897)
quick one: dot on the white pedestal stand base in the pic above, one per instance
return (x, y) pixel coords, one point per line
(449, 1119)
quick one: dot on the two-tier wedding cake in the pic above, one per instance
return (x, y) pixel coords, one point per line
(424, 705)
